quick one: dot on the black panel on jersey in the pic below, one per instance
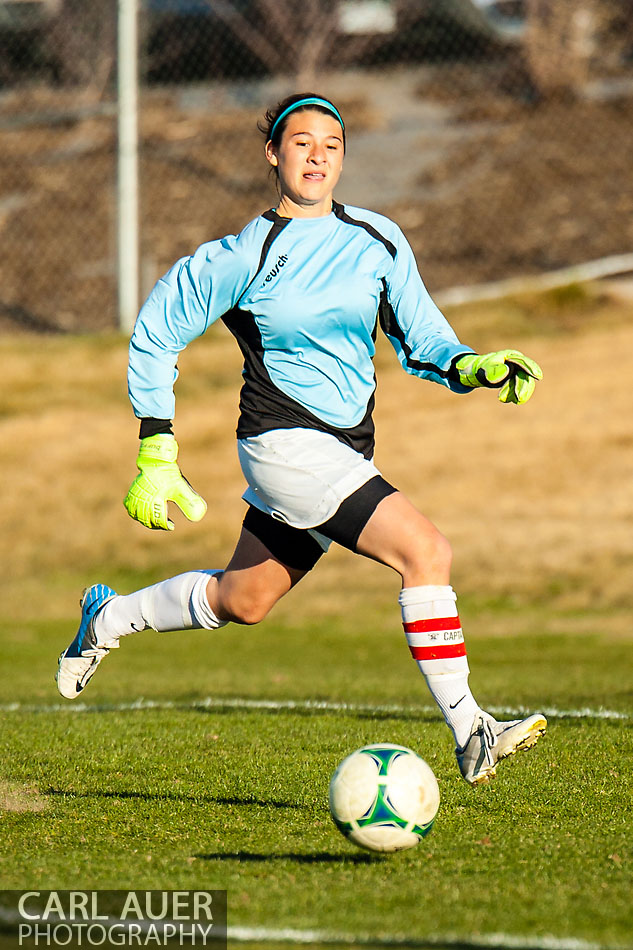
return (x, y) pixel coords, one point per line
(278, 225)
(263, 406)
(391, 327)
(354, 512)
(342, 215)
(386, 313)
(294, 547)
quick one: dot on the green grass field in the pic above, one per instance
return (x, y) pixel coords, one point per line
(236, 798)
(218, 778)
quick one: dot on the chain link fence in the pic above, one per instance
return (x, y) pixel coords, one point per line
(498, 133)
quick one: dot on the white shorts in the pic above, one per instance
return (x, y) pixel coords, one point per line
(301, 476)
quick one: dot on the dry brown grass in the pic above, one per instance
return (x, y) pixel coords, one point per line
(537, 500)
(20, 798)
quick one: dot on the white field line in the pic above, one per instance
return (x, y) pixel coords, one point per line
(298, 705)
(10, 921)
(493, 941)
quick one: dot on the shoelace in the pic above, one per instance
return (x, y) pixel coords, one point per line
(100, 649)
(490, 736)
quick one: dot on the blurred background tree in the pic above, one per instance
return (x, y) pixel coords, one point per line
(567, 41)
(81, 40)
(497, 132)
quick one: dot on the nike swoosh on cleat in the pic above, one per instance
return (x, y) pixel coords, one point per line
(453, 705)
(79, 685)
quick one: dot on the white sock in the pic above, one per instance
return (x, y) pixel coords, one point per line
(178, 603)
(436, 641)
(452, 694)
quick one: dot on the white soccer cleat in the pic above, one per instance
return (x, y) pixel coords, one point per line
(79, 661)
(490, 741)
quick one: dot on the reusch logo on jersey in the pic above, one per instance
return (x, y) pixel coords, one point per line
(281, 260)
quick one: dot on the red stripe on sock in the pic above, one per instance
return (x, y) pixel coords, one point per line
(437, 623)
(442, 651)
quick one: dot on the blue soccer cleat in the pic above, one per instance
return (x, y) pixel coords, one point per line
(79, 661)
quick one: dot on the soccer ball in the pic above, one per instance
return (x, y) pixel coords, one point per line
(384, 797)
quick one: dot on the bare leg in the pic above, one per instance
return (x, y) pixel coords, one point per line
(252, 583)
(244, 593)
(398, 535)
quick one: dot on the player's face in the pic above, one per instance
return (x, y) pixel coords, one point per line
(309, 160)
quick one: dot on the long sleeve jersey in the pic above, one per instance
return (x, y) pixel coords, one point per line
(303, 297)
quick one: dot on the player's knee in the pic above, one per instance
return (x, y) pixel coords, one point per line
(248, 610)
(443, 551)
(432, 552)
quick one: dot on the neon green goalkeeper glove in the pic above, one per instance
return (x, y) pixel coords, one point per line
(508, 370)
(160, 481)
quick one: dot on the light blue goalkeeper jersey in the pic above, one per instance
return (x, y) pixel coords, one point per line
(303, 297)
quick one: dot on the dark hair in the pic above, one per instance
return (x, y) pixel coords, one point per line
(265, 126)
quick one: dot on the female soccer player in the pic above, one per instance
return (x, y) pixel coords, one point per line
(302, 288)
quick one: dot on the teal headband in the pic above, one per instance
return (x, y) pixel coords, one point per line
(312, 101)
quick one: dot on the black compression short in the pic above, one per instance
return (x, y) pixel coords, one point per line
(354, 512)
(297, 548)
(294, 547)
